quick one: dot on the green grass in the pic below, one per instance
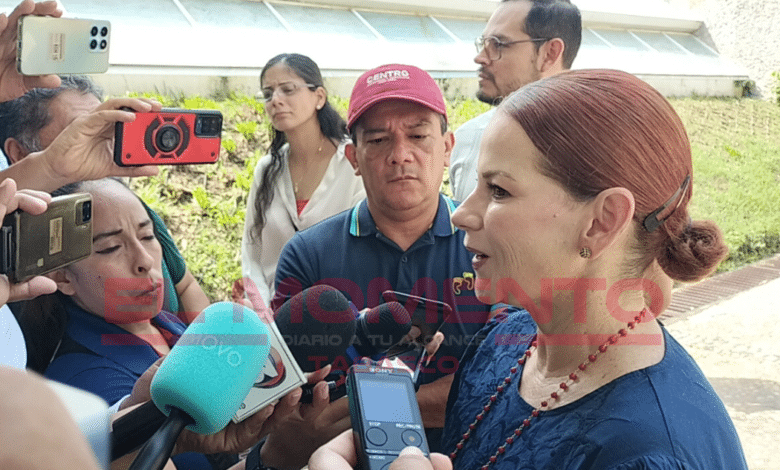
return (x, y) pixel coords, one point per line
(736, 158)
(736, 161)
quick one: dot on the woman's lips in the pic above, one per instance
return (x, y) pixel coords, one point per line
(153, 289)
(479, 258)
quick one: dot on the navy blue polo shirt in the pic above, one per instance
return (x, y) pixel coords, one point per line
(348, 252)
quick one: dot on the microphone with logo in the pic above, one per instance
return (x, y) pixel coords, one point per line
(205, 377)
(320, 327)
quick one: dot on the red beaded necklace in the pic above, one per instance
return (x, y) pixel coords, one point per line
(563, 387)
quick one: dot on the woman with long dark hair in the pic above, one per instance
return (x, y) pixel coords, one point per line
(304, 178)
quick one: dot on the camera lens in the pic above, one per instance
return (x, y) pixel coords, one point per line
(94, 30)
(208, 126)
(93, 44)
(168, 138)
(104, 31)
(103, 44)
(86, 211)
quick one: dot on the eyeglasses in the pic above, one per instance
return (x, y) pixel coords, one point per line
(286, 88)
(493, 46)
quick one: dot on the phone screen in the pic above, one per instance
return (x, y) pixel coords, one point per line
(427, 317)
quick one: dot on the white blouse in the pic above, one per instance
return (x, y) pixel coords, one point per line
(338, 191)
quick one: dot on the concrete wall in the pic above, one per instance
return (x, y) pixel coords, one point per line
(745, 31)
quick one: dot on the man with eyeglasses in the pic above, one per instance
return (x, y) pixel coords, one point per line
(523, 41)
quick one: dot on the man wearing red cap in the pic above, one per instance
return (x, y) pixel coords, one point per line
(399, 238)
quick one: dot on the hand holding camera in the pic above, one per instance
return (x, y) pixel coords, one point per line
(12, 83)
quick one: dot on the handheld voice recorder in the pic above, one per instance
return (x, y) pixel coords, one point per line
(385, 415)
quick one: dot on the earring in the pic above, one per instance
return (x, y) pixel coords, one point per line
(585, 252)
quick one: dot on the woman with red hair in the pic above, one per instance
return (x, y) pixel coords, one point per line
(580, 210)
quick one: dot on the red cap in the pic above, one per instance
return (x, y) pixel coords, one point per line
(394, 81)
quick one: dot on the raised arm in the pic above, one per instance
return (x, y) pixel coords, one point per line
(83, 151)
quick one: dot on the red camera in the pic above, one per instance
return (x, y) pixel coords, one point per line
(170, 137)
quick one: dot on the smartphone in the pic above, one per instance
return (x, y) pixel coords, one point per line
(62, 45)
(169, 137)
(427, 317)
(385, 415)
(37, 244)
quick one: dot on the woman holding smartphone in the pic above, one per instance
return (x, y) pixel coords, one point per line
(304, 178)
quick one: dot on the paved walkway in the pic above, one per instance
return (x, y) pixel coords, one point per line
(736, 342)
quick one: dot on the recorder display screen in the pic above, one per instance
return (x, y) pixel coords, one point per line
(385, 401)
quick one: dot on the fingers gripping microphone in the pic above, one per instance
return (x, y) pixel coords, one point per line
(205, 377)
(380, 328)
(320, 327)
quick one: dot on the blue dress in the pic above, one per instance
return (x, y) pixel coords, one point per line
(666, 416)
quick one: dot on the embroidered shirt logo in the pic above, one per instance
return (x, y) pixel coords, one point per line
(463, 283)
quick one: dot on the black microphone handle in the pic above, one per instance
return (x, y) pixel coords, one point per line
(131, 430)
(336, 387)
(157, 450)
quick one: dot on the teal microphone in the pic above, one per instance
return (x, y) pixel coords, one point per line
(206, 376)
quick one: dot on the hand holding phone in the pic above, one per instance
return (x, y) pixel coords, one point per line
(169, 137)
(13, 84)
(385, 415)
(34, 202)
(427, 315)
(84, 149)
(49, 45)
(31, 245)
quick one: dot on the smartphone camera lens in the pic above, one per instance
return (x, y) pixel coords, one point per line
(208, 126)
(104, 31)
(94, 30)
(93, 44)
(86, 211)
(103, 44)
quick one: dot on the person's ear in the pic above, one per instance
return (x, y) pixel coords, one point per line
(322, 97)
(611, 213)
(350, 151)
(449, 143)
(550, 59)
(63, 280)
(14, 150)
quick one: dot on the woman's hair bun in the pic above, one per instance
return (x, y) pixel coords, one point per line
(695, 253)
